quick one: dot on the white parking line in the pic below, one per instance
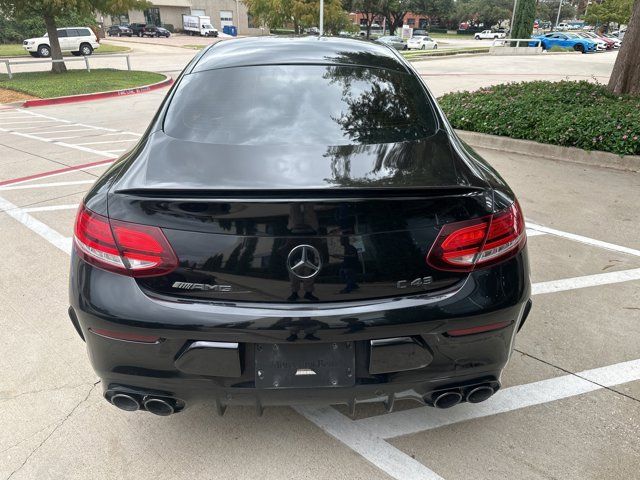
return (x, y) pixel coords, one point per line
(109, 141)
(574, 283)
(380, 453)
(534, 233)
(66, 131)
(582, 239)
(45, 231)
(27, 122)
(47, 185)
(419, 419)
(51, 208)
(62, 144)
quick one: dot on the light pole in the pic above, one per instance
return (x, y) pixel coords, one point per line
(513, 18)
(321, 28)
(558, 17)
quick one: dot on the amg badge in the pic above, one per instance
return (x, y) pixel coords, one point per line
(202, 286)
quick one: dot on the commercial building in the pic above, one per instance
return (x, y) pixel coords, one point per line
(169, 12)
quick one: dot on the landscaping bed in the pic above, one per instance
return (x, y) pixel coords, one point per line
(76, 82)
(15, 50)
(417, 54)
(570, 114)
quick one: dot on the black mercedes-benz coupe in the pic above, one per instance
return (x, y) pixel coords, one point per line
(299, 224)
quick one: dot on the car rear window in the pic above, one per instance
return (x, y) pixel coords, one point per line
(300, 104)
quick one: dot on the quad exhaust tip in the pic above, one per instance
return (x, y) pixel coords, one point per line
(125, 402)
(159, 406)
(447, 399)
(479, 394)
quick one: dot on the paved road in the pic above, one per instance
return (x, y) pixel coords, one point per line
(570, 407)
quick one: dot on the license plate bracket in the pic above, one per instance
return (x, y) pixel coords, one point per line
(304, 365)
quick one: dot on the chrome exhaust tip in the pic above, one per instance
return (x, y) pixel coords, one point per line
(479, 394)
(159, 406)
(447, 399)
(125, 402)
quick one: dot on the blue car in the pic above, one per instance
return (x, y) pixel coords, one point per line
(566, 40)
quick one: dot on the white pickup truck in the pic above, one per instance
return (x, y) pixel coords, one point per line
(198, 25)
(489, 34)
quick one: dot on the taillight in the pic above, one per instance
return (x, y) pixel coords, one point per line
(122, 247)
(461, 246)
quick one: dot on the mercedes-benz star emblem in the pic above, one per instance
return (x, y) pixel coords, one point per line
(304, 261)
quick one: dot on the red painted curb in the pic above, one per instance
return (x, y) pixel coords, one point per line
(55, 172)
(41, 102)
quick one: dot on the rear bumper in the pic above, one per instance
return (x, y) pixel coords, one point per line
(435, 361)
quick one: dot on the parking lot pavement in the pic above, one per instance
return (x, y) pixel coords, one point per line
(453, 73)
(570, 403)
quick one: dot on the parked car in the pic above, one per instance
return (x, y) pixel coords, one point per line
(566, 40)
(601, 45)
(421, 42)
(393, 41)
(119, 31)
(137, 28)
(603, 42)
(419, 32)
(614, 38)
(488, 34)
(77, 40)
(205, 264)
(563, 27)
(610, 44)
(152, 31)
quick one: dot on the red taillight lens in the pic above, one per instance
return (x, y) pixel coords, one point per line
(461, 246)
(122, 247)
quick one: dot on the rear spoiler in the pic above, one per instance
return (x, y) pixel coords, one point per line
(304, 194)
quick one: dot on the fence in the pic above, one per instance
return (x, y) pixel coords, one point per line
(85, 59)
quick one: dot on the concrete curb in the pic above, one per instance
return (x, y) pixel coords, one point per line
(627, 163)
(41, 102)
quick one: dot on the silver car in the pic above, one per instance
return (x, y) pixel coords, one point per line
(393, 41)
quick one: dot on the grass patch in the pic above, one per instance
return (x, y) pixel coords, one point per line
(15, 50)
(558, 48)
(416, 54)
(570, 114)
(75, 82)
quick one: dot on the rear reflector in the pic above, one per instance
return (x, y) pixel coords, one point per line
(480, 242)
(479, 329)
(122, 247)
(125, 336)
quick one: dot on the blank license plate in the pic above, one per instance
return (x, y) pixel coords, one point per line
(305, 366)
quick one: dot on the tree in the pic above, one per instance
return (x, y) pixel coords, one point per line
(523, 20)
(618, 11)
(486, 12)
(394, 12)
(369, 11)
(50, 10)
(625, 77)
(434, 9)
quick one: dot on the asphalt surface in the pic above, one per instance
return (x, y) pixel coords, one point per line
(570, 407)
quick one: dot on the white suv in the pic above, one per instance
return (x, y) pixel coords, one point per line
(77, 40)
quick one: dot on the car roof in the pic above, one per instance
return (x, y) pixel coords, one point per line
(253, 51)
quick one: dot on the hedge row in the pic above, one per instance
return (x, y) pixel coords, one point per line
(15, 31)
(571, 114)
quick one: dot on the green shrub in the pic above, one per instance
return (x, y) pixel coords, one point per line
(558, 48)
(571, 114)
(15, 31)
